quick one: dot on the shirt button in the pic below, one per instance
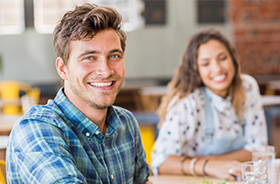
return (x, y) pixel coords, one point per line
(87, 134)
(112, 176)
(96, 132)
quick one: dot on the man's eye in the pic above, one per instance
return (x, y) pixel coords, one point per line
(89, 58)
(114, 56)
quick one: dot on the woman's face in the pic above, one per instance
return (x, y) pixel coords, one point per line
(215, 67)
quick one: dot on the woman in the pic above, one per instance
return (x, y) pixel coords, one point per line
(212, 116)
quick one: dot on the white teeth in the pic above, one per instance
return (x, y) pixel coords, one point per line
(220, 77)
(101, 84)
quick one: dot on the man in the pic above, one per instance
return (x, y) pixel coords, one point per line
(79, 137)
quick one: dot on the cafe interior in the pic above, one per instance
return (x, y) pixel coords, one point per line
(157, 34)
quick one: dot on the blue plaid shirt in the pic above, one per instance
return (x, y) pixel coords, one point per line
(56, 143)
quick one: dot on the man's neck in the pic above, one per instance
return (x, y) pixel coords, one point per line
(98, 117)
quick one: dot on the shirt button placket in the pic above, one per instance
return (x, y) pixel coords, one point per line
(96, 132)
(104, 142)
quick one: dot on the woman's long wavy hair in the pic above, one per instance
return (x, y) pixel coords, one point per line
(187, 78)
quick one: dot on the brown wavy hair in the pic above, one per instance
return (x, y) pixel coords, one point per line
(187, 78)
(84, 22)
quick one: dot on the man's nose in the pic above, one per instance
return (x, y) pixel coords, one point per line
(103, 69)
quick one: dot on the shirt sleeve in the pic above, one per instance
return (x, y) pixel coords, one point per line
(255, 127)
(40, 155)
(177, 129)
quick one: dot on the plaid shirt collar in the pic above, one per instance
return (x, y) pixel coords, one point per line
(79, 120)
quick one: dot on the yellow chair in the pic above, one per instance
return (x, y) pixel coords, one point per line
(3, 165)
(148, 139)
(10, 96)
(34, 93)
(147, 123)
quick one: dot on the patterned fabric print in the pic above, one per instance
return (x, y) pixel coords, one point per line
(186, 123)
(57, 143)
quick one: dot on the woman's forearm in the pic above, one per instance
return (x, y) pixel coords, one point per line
(214, 165)
(172, 165)
(241, 155)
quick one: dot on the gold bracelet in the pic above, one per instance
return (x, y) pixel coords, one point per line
(192, 166)
(182, 165)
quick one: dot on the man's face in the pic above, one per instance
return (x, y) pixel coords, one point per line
(94, 72)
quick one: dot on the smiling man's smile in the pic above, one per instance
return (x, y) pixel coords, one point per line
(102, 84)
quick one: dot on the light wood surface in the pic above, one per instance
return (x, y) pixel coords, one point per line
(5, 128)
(151, 96)
(7, 123)
(3, 142)
(179, 179)
(270, 100)
(3, 145)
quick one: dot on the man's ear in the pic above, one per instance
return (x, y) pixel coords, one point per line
(61, 68)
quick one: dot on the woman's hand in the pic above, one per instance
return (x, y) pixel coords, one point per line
(224, 169)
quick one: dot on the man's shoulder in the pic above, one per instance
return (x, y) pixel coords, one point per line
(122, 111)
(43, 113)
(124, 115)
(39, 120)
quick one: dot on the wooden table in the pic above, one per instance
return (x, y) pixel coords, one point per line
(157, 92)
(7, 123)
(179, 179)
(271, 100)
(3, 142)
(3, 146)
(151, 96)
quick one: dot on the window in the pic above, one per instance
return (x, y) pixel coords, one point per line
(11, 16)
(48, 12)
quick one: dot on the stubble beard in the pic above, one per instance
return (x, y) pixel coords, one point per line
(90, 101)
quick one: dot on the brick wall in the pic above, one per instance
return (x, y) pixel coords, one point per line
(256, 35)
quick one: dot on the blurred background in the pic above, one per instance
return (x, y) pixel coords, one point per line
(158, 32)
(155, 42)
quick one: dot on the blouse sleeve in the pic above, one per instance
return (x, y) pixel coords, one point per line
(172, 134)
(255, 125)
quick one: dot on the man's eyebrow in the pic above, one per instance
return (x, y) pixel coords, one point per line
(116, 50)
(88, 52)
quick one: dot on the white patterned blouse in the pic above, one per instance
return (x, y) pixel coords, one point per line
(183, 131)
